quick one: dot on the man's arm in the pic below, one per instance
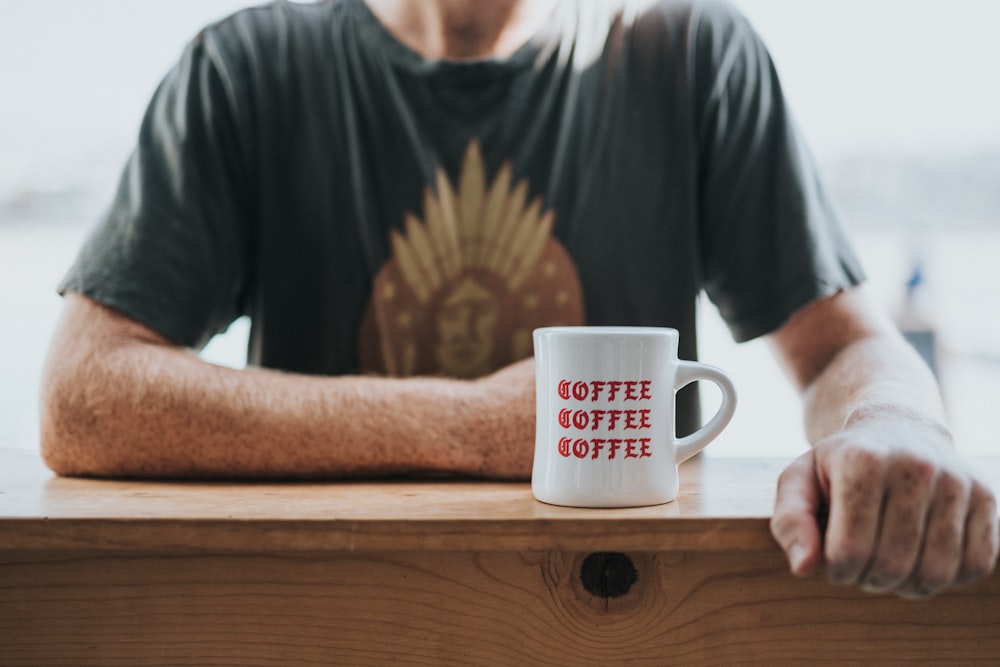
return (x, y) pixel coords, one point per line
(905, 514)
(120, 400)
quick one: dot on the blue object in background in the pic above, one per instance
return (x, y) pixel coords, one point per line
(914, 324)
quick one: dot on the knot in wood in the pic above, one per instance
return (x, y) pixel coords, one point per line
(608, 574)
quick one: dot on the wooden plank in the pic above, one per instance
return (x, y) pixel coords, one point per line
(41, 511)
(685, 608)
(723, 504)
(709, 487)
(384, 535)
(436, 572)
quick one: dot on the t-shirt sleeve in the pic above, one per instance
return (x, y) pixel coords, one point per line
(171, 250)
(770, 238)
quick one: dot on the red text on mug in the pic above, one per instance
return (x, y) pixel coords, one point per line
(617, 419)
(605, 390)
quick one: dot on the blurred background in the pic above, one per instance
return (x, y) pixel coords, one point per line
(899, 100)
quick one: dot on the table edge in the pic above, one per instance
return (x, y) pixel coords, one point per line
(350, 535)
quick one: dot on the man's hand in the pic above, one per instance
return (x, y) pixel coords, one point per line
(882, 500)
(903, 514)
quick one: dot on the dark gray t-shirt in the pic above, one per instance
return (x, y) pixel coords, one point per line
(371, 210)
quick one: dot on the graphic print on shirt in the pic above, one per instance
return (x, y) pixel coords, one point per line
(466, 285)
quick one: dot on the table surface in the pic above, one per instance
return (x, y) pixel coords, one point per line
(724, 504)
(438, 572)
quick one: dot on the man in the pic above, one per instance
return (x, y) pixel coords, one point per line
(397, 192)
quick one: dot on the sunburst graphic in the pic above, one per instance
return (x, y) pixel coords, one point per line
(482, 226)
(466, 284)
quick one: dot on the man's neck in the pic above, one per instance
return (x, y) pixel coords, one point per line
(462, 29)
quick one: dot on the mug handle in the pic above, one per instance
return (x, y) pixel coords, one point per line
(688, 372)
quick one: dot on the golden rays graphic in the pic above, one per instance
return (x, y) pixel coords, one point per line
(465, 285)
(485, 226)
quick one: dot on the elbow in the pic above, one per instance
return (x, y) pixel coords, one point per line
(69, 424)
(84, 412)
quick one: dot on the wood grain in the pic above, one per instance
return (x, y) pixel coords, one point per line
(41, 511)
(495, 608)
(436, 573)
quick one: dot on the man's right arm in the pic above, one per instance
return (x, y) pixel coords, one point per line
(120, 400)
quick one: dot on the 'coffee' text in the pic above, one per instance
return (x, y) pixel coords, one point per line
(610, 448)
(597, 390)
(629, 420)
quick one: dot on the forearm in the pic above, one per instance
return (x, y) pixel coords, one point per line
(882, 498)
(127, 407)
(876, 376)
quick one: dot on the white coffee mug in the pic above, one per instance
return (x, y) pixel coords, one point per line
(605, 421)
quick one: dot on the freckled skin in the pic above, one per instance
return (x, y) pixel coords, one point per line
(121, 401)
(905, 514)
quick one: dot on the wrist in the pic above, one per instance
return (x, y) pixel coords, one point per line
(498, 425)
(894, 413)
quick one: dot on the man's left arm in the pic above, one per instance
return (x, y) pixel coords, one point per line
(882, 499)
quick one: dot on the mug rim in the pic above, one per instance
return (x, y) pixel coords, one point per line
(586, 330)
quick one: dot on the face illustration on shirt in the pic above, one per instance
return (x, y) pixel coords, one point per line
(466, 326)
(466, 285)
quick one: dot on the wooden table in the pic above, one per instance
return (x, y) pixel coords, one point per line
(442, 572)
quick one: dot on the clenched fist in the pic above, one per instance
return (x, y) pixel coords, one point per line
(902, 512)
